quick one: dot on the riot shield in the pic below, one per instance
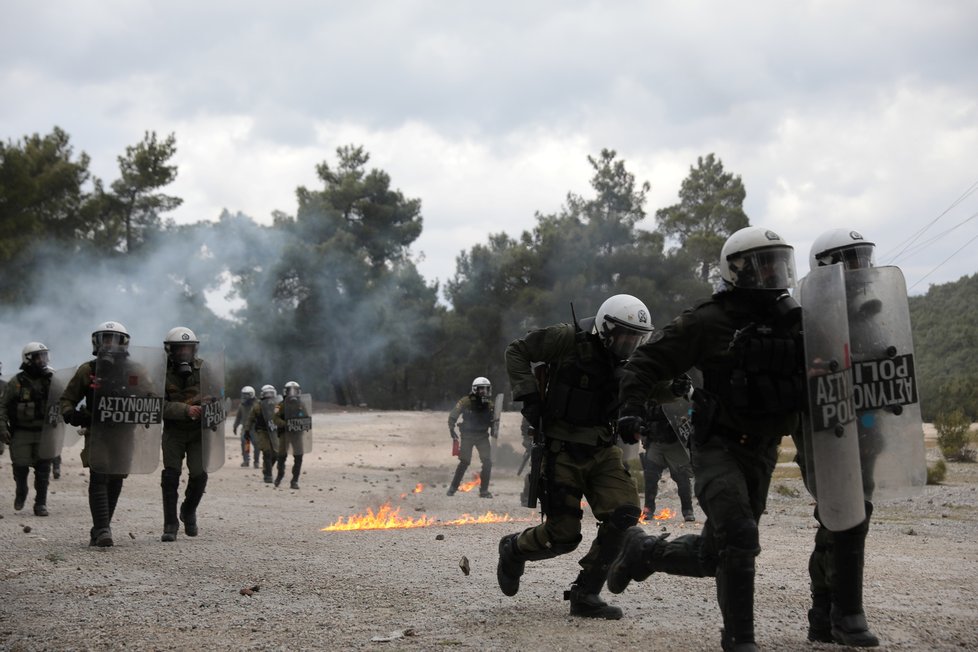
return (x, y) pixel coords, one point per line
(213, 418)
(497, 413)
(54, 434)
(268, 411)
(677, 414)
(298, 423)
(891, 438)
(831, 442)
(127, 415)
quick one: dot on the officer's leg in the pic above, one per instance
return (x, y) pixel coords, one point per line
(170, 484)
(484, 446)
(735, 583)
(849, 625)
(296, 470)
(196, 483)
(282, 454)
(20, 480)
(610, 491)
(114, 487)
(652, 473)
(255, 447)
(559, 534)
(819, 624)
(245, 448)
(42, 471)
(56, 468)
(682, 472)
(98, 503)
(464, 459)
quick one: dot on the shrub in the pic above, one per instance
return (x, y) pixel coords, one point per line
(953, 437)
(936, 473)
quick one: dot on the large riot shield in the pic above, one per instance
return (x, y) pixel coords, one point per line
(54, 435)
(127, 414)
(268, 412)
(677, 414)
(497, 414)
(831, 442)
(891, 437)
(297, 413)
(213, 405)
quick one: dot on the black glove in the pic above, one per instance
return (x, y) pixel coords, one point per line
(681, 385)
(532, 408)
(77, 419)
(452, 432)
(630, 428)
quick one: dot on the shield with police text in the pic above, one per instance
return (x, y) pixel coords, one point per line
(54, 434)
(213, 416)
(677, 413)
(833, 473)
(891, 435)
(127, 411)
(268, 406)
(297, 413)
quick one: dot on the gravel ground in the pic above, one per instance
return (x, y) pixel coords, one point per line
(316, 589)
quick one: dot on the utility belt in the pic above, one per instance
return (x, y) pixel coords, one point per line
(577, 450)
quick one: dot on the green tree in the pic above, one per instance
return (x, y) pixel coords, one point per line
(134, 206)
(42, 198)
(710, 209)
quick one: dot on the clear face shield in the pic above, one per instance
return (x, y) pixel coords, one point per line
(859, 256)
(763, 269)
(624, 340)
(39, 360)
(482, 392)
(110, 343)
(293, 392)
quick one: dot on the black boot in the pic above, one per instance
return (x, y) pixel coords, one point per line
(170, 484)
(42, 471)
(257, 455)
(512, 562)
(191, 498)
(635, 560)
(457, 478)
(584, 599)
(296, 470)
(20, 492)
(735, 593)
(98, 503)
(849, 625)
(819, 625)
(280, 469)
(267, 468)
(56, 468)
(114, 487)
(484, 481)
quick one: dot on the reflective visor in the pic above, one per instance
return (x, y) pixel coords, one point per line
(772, 268)
(852, 256)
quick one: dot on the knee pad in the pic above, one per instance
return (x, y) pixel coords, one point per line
(625, 516)
(564, 547)
(742, 534)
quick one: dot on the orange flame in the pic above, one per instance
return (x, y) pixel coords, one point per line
(418, 489)
(472, 484)
(389, 518)
(663, 514)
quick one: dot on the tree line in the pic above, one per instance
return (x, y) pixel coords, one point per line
(330, 295)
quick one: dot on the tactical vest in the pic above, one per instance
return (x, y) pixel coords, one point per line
(478, 417)
(583, 388)
(31, 401)
(765, 377)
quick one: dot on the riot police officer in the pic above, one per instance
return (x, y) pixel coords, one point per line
(576, 409)
(836, 562)
(260, 420)
(247, 436)
(745, 340)
(476, 411)
(663, 451)
(291, 406)
(182, 412)
(24, 407)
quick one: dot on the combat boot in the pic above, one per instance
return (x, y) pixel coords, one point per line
(634, 560)
(296, 471)
(20, 492)
(819, 625)
(280, 470)
(849, 625)
(56, 468)
(170, 483)
(191, 499)
(735, 594)
(42, 472)
(590, 605)
(511, 565)
(98, 503)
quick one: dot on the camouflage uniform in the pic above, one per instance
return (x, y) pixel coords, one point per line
(581, 461)
(285, 440)
(22, 410)
(182, 437)
(749, 354)
(476, 425)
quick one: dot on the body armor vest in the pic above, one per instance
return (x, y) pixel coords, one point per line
(583, 389)
(766, 374)
(478, 416)
(31, 401)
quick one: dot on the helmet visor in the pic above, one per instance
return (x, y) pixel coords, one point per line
(111, 342)
(772, 268)
(853, 257)
(623, 341)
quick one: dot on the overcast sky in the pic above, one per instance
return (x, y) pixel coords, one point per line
(856, 114)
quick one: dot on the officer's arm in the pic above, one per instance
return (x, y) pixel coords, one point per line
(74, 391)
(8, 395)
(277, 417)
(455, 413)
(653, 365)
(250, 418)
(542, 345)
